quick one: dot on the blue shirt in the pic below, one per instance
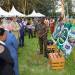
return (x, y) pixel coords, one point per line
(12, 43)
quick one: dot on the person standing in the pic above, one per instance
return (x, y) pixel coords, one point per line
(30, 32)
(52, 25)
(12, 44)
(6, 61)
(21, 37)
(46, 21)
(41, 30)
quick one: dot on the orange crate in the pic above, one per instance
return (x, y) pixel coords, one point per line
(52, 47)
(55, 61)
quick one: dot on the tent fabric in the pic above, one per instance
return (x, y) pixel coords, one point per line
(40, 15)
(34, 14)
(3, 13)
(14, 13)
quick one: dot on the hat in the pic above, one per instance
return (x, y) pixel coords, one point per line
(2, 31)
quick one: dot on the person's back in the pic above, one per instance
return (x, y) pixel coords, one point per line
(22, 30)
(11, 41)
(12, 44)
(6, 61)
(21, 37)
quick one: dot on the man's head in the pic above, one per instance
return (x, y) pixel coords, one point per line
(41, 21)
(2, 34)
(60, 18)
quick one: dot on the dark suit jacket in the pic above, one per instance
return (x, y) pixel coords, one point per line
(6, 62)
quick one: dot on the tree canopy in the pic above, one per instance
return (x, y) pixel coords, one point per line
(47, 7)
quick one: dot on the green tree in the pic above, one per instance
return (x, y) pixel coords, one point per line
(46, 7)
(68, 7)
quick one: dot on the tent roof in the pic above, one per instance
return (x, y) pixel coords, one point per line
(34, 14)
(3, 13)
(14, 12)
(40, 15)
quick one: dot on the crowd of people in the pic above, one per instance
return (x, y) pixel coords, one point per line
(12, 33)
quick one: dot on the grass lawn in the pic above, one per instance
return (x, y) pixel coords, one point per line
(30, 63)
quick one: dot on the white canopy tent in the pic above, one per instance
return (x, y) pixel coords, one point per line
(14, 13)
(34, 14)
(3, 13)
(40, 15)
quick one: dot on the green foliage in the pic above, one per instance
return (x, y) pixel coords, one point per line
(46, 7)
